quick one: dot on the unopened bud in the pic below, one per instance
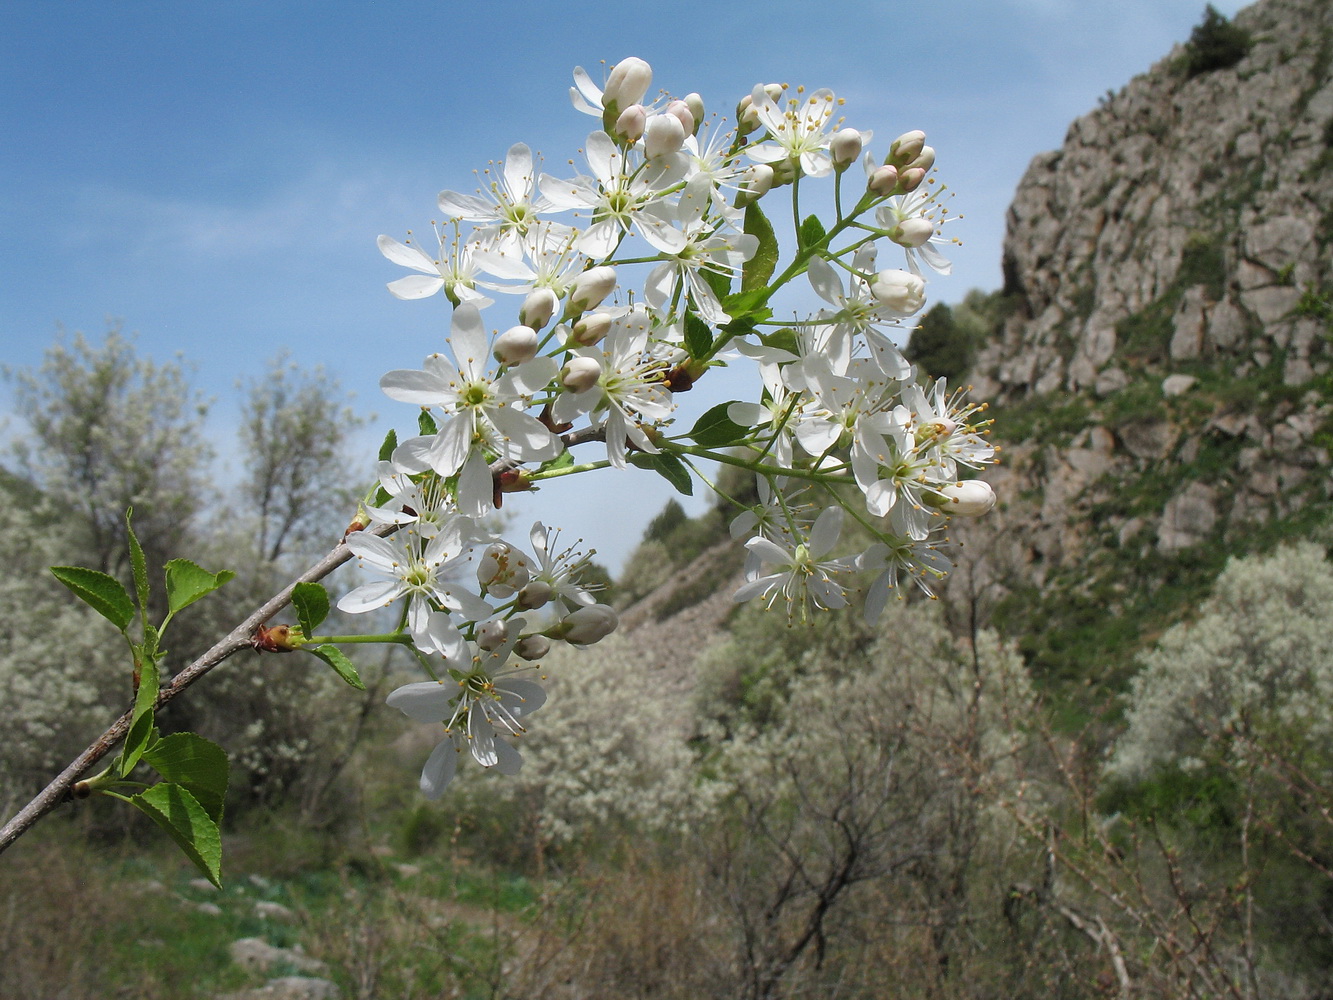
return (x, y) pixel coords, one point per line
(663, 136)
(680, 111)
(756, 181)
(906, 148)
(747, 119)
(277, 638)
(925, 159)
(587, 625)
(515, 345)
(910, 179)
(536, 594)
(532, 647)
(493, 634)
(912, 232)
(580, 374)
(970, 498)
(883, 180)
(628, 81)
(845, 147)
(785, 171)
(591, 329)
(695, 104)
(901, 292)
(502, 570)
(591, 287)
(631, 122)
(538, 308)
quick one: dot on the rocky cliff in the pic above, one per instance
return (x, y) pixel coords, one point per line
(1162, 373)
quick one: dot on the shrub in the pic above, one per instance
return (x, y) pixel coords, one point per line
(1215, 43)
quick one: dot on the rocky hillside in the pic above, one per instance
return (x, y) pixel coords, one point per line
(1161, 378)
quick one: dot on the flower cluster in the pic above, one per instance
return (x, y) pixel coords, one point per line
(630, 281)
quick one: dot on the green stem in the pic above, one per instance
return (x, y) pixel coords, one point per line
(393, 637)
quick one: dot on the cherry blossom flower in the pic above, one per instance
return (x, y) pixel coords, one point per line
(798, 574)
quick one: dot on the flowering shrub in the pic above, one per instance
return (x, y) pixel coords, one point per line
(629, 283)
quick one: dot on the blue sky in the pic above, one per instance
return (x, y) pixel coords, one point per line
(215, 175)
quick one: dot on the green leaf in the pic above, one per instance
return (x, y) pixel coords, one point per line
(426, 423)
(344, 667)
(187, 582)
(759, 268)
(140, 565)
(197, 765)
(784, 339)
(562, 461)
(718, 282)
(669, 467)
(179, 813)
(140, 734)
(390, 443)
(311, 601)
(715, 429)
(811, 232)
(104, 594)
(698, 338)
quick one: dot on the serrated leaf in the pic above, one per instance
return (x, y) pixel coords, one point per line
(196, 764)
(104, 594)
(759, 268)
(139, 564)
(718, 282)
(426, 423)
(811, 232)
(716, 429)
(746, 308)
(669, 467)
(140, 734)
(178, 812)
(390, 443)
(341, 665)
(311, 601)
(698, 338)
(187, 582)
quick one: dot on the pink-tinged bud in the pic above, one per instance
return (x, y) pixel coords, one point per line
(910, 179)
(747, 119)
(663, 136)
(532, 647)
(538, 308)
(845, 147)
(756, 181)
(628, 82)
(970, 498)
(591, 329)
(631, 122)
(515, 345)
(912, 232)
(502, 570)
(493, 634)
(901, 292)
(883, 180)
(536, 594)
(925, 159)
(680, 111)
(580, 374)
(587, 625)
(906, 148)
(591, 287)
(695, 104)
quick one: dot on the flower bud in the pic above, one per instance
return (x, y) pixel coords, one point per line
(680, 111)
(756, 181)
(845, 147)
(910, 179)
(532, 647)
(591, 287)
(277, 638)
(970, 498)
(502, 569)
(912, 232)
(663, 136)
(785, 171)
(591, 329)
(536, 594)
(695, 104)
(493, 634)
(630, 123)
(883, 180)
(587, 625)
(580, 374)
(925, 159)
(628, 81)
(899, 291)
(747, 119)
(515, 345)
(538, 308)
(906, 148)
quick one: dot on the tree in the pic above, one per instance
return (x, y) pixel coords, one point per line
(1215, 43)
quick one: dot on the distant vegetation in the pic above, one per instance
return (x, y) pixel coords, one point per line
(1215, 43)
